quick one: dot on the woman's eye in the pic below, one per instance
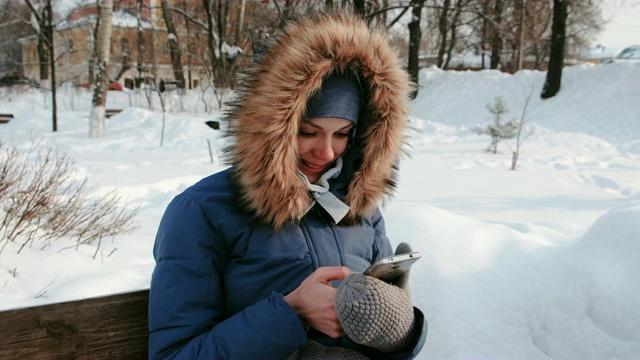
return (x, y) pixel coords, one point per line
(342, 135)
(306, 134)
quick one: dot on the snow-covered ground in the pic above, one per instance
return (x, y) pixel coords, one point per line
(541, 262)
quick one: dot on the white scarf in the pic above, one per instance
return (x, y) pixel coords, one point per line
(321, 194)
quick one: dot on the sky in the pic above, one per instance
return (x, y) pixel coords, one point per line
(537, 263)
(623, 23)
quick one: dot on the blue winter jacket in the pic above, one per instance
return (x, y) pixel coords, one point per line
(217, 289)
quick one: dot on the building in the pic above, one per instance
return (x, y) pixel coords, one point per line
(132, 61)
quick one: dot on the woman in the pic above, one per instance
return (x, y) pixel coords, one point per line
(246, 258)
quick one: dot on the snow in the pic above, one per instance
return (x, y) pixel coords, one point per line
(541, 262)
(231, 51)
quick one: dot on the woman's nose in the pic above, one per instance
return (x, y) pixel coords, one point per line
(324, 150)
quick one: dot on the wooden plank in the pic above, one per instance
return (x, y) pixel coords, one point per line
(5, 118)
(112, 326)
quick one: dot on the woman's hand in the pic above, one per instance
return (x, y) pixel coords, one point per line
(314, 300)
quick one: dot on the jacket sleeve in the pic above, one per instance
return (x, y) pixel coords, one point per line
(186, 304)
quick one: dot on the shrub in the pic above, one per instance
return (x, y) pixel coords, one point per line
(42, 199)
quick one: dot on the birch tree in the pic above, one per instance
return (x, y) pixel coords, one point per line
(141, 49)
(239, 21)
(103, 50)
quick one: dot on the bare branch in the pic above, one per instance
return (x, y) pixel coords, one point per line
(190, 18)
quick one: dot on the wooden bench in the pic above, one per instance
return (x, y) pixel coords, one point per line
(108, 327)
(110, 112)
(5, 118)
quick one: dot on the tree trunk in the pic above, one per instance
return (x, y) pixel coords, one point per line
(453, 27)
(43, 57)
(223, 9)
(91, 78)
(496, 37)
(415, 37)
(103, 46)
(187, 27)
(556, 57)
(483, 32)
(174, 47)
(46, 56)
(52, 63)
(239, 22)
(211, 38)
(523, 4)
(141, 73)
(443, 26)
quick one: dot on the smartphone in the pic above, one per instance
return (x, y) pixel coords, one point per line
(391, 267)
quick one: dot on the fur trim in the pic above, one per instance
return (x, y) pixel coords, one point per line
(270, 106)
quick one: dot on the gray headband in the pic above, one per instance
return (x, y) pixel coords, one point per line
(338, 97)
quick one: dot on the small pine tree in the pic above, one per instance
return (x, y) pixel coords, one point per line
(498, 130)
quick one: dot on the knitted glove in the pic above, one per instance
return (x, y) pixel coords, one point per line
(374, 313)
(402, 281)
(317, 351)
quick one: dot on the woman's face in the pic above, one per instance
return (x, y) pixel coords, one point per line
(320, 142)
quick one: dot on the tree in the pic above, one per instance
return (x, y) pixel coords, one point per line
(219, 60)
(42, 14)
(95, 29)
(453, 30)
(443, 30)
(556, 58)
(415, 37)
(512, 33)
(174, 46)
(496, 34)
(447, 23)
(140, 63)
(521, 33)
(212, 41)
(498, 130)
(103, 50)
(239, 21)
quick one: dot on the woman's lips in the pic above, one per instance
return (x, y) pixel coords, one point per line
(312, 167)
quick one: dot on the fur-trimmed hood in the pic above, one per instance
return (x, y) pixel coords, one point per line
(265, 117)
